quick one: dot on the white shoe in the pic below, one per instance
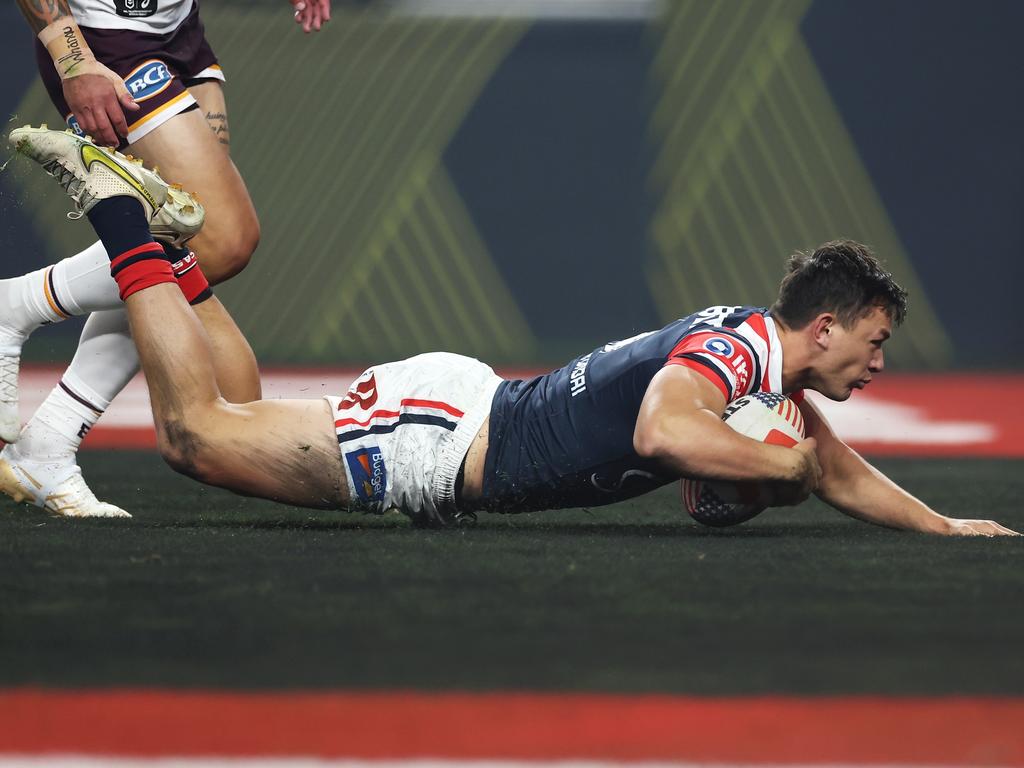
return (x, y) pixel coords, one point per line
(59, 489)
(89, 173)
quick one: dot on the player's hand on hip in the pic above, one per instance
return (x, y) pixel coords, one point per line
(98, 99)
(977, 528)
(312, 14)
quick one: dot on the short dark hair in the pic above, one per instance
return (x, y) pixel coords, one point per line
(841, 276)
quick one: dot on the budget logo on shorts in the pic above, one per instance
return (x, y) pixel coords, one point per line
(719, 346)
(148, 79)
(369, 475)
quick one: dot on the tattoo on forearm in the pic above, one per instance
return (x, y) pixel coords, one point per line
(219, 125)
(42, 13)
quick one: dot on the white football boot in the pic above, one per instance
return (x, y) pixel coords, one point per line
(89, 173)
(56, 487)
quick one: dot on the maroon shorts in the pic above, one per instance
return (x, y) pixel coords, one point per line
(157, 70)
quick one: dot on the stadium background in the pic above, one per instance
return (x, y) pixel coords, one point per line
(523, 187)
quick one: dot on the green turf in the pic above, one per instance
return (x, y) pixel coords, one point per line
(204, 588)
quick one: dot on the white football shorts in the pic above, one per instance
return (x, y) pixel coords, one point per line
(404, 429)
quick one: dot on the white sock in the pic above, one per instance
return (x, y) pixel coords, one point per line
(74, 286)
(83, 282)
(105, 362)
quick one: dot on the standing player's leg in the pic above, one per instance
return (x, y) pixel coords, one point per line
(203, 162)
(187, 150)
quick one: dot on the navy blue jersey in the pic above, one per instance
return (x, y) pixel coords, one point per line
(565, 439)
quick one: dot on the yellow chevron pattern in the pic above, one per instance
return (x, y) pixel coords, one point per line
(389, 262)
(424, 269)
(754, 163)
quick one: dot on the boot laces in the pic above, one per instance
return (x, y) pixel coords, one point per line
(70, 183)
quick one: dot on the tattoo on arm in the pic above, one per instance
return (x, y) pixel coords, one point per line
(42, 13)
(219, 125)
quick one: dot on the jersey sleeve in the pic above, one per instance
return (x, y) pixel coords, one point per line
(726, 359)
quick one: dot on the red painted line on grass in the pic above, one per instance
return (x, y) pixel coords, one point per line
(760, 730)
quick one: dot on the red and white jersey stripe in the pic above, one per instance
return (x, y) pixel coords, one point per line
(739, 352)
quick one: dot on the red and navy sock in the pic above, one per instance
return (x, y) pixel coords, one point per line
(193, 283)
(136, 260)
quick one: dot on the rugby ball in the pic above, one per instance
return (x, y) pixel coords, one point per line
(765, 416)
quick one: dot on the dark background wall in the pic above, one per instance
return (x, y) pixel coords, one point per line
(522, 190)
(933, 97)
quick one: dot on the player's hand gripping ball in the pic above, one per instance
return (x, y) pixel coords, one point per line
(765, 416)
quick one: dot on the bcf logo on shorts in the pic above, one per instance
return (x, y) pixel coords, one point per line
(369, 475)
(148, 79)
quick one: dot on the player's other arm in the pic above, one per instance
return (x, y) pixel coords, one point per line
(95, 94)
(857, 489)
(680, 425)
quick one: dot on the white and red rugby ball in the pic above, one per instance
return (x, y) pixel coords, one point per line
(765, 416)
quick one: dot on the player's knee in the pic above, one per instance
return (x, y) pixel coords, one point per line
(234, 251)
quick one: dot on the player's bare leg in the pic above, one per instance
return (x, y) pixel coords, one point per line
(284, 450)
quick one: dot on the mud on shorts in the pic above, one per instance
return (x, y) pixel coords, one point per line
(157, 70)
(404, 430)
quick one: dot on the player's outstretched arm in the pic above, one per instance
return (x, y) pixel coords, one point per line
(96, 95)
(857, 489)
(680, 425)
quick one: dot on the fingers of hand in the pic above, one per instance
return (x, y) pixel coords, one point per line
(118, 124)
(986, 528)
(312, 15)
(97, 124)
(1000, 530)
(96, 102)
(127, 102)
(121, 89)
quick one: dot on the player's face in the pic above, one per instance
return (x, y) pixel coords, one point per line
(855, 354)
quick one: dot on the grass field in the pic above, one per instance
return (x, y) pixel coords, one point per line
(203, 589)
